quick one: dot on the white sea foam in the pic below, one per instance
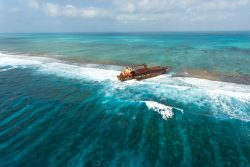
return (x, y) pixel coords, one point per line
(56, 67)
(226, 99)
(6, 59)
(165, 111)
(76, 71)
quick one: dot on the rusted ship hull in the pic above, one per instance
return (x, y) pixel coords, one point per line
(144, 73)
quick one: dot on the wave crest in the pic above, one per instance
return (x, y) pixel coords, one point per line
(165, 111)
(225, 100)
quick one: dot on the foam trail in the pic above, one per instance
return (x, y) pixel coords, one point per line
(165, 111)
(77, 71)
(57, 67)
(227, 100)
(14, 61)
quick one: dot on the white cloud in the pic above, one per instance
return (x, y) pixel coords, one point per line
(128, 7)
(162, 10)
(163, 6)
(52, 9)
(225, 4)
(90, 12)
(72, 11)
(153, 6)
(127, 11)
(33, 4)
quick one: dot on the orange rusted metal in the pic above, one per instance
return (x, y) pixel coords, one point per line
(142, 71)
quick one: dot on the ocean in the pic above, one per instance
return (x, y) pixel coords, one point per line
(62, 105)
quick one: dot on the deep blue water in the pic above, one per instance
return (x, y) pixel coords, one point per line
(56, 109)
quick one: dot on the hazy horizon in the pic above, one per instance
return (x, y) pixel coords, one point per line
(129, 32)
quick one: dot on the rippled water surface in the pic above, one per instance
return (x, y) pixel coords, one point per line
(56, 112)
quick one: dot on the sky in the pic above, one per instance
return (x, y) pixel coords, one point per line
(123, 15)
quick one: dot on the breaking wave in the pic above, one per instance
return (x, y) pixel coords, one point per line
(165, 111)
(225, 100)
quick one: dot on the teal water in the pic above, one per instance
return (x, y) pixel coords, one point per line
(61, 104)
(182, 51)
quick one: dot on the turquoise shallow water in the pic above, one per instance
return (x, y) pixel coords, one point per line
(225, 53)
(56, 110)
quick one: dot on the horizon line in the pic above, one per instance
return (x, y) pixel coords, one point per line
(170, 31)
